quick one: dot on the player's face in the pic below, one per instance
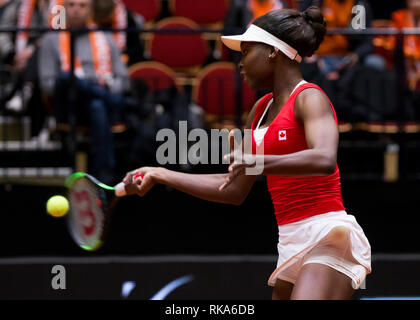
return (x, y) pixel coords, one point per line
(255, 65)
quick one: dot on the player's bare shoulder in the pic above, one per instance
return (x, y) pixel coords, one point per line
(311, 102)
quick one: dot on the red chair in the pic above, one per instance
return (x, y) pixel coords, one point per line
(202, 12)
(149, 9)
(155, 74)
(215, 91)
(180, 51)
(208, 14)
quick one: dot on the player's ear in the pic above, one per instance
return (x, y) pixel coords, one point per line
(274, 52)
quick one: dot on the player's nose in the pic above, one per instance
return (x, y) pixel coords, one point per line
(240, 65)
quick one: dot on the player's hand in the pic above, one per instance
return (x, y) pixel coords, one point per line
(239, 162)
(142, 186)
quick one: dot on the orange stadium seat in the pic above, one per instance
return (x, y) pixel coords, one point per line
(149, 9)
(181, 51)
(155, 74)
(214, 91)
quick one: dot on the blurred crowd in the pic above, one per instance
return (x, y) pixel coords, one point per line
(40, 64)
(358, 72)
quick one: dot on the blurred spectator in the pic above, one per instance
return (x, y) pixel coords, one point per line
(344, 61)
(19, 50)
(410, 18)
(242, 12)
(337, 52)
(101, 79)
(114, 14)
(109, 13)
(258, 8)
(3, 6)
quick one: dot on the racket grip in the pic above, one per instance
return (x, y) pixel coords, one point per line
(120, 188)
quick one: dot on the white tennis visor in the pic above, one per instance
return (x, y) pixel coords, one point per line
(257, 34)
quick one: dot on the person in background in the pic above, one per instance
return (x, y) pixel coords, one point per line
(19, 50)
(242, 12)
(114, 14)
(410, 18)
(335, 65)
(110, 13)
(260, 7)
(101, 79)
(339, 52)
(3, 6)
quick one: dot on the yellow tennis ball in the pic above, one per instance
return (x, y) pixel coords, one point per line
(57, 206)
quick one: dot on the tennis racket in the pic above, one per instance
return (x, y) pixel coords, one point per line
(91, 207)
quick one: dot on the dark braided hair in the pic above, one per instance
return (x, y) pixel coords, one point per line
(304, 31)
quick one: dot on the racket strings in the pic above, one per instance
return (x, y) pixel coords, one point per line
(88, 218)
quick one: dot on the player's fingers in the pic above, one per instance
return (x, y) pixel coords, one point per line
(127, 177)
(225, 184)
(135, 178)
(130, 188)
(236, 168)
(138, 178)
(233, 173)
(231, 141)
(231, 157)
(235, 156)
(144, 187)
(131, 174)
(228, 180)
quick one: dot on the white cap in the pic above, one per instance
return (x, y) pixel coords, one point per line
(257, 34)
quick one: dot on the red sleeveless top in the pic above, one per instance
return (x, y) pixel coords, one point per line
(295, 197)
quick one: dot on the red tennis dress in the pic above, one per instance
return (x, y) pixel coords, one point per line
(299, 197)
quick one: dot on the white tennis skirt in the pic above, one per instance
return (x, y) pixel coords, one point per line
(334, 239)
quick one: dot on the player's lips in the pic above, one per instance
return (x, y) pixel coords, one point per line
(245, 78)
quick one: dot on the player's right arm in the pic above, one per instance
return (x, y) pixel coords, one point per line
(203, 186)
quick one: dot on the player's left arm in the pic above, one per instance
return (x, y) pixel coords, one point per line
(313, 111)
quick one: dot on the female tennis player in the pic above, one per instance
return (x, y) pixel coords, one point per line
(323, 252)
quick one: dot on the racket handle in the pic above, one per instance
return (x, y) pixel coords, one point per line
(120, 188)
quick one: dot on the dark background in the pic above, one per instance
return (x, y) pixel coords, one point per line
(169, 222)
(383, 9)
